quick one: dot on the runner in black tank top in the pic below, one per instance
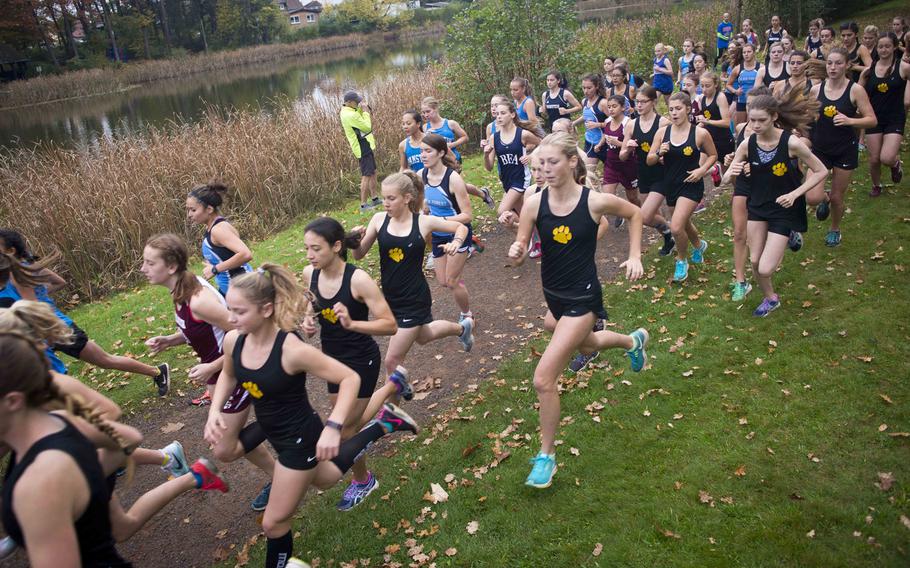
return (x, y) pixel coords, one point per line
(723, 140)
(885, 82)
(272, 364)
(683, 185)
(345, 298)
(564, 215)
(844, 109)
(400, 260)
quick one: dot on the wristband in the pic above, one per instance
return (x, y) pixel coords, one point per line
(215, 271)
(334, 425)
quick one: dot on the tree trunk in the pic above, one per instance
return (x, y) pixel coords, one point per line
(205, 41)
(165, 27)
(737, 15)
(47, 44)
(109, 26)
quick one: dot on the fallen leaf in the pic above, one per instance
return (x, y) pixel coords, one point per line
(451, 551)
(740, 471)
(669, 534)
(172, 427)
(882, 427)
(436, 494)
(885, 481)
(472, 527)
(646, 412)
(598, 548)
(886, 398)
(905, 521)
(899, 434)
(449, 478)
(811, 534)
(574, 451)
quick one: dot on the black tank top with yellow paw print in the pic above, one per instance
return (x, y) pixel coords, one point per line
(568, 243)
(401, 263)
(343, 344)
(280, 399)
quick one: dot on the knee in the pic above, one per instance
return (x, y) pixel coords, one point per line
(453, 282)
(225, 453)
(888, 158)
(677, 226)
(544, 384)
(274, 528)
(739, 234)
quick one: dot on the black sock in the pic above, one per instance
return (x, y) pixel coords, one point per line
(251, 437)
(352, 448)
(279, 550)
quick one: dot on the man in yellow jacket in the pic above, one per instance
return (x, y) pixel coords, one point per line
(358, 128)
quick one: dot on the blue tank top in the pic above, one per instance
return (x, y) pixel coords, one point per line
(686, 66)
(446, 132)
(10, 295)
(592, 113)
(214, 254)
(662, 82)
(412, 155)
(746, 81)
(508, 157)
(439, 198)
(520, 109)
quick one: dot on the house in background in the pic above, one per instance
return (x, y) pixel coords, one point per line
(300, 13)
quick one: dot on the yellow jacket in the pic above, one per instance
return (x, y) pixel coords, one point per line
(357, 126)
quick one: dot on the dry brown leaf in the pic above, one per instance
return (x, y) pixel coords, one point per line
(886, 398)
(905, 521)
(885, 480)
(451, 551)
(811, 534)
(740, 471)
(574, 451)
(472, 527)
(598, 548)
(882, 427)
(669, 534)
(172, 427)
(899, 434)
(436, 494)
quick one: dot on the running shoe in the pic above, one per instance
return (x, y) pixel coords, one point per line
(669, 245)
(262, 500)
(715, 174)
(296, 563)
(394, 419)
(536, 251)
(823, 209)
(861, 147)
(618, 222)
(431, 262)
(476, 243)
(356, 493)
(700, 207)
(897, 172)
(7, 547)
(467, 334)
(376, 202)
(465, 315)
(637, 356)
(544, 467)
(698, 254)
(581, 361)
(767, 306)
(795, 242)
(832, 239)
(207, 477)
(364, 207)
(176, 459)
(163, 379)
(203, 399)
(399, 378)
(876, 191)
(488, 197)
(682, 271)
(740, 291)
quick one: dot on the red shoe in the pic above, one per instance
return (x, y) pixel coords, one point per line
(202, 400)
(207, 478)
(478, 244)
(715, 174)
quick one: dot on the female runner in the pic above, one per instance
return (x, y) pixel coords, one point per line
(885, 82)
(226, 255)
(742, 79)
(663, 71)
(773, 35)
(844, 108)
(566, 215)
(685, 60)
(594, 116)
(679, 146)
(619, 85)
(523, 99)
(799, 78)
(787, 43)
(557, 101)
(409, 148)
(776, 69)
(446, 197)
(39, 289)
(749, 31)
(617, 171)
(776, 204)
(402, 232)
(272, 363)
(344, 299)
(813, 43)
(639, 136)
(870, 39)
(202, 320)
(714, 115)
(507, 149)
(858, 57)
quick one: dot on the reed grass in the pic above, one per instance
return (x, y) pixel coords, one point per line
(117, 78)
(99, 205)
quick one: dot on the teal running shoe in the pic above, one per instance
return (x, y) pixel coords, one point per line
(637, 356)
(698, 255)
(541, 475)
(682, 271)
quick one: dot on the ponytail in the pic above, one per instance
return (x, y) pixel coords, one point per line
(276, 285)
(173, 252)
(36, 320)
(13, 239)
(24, 274)
(332, 232)
(211, 194)
(441, 145)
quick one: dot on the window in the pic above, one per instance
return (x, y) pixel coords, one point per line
(311, 17)
(295, 19)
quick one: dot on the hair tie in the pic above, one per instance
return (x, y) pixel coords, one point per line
(260, 270)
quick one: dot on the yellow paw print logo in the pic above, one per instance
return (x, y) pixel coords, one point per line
(253, 389)
(645, 147)
(708, 114)
(329, 315)
(562, 234)
(882, 87)
(396, 254)
(687, 151)
(830, 111)
(779, 169)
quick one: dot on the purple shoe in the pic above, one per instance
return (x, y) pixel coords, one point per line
(767, 306)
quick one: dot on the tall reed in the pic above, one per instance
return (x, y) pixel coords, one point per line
(98, 206)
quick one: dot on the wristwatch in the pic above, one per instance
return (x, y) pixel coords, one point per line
(334, 425)
(215, 271)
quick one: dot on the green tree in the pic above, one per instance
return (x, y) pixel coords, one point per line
(365, 15)
(493, 41)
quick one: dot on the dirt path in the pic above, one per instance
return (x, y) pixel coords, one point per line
(200, 528)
